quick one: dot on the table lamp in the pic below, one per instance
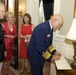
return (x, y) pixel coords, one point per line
(71, 39)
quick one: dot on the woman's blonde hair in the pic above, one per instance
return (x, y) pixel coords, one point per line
(7, 13)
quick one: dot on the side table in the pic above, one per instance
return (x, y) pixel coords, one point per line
(66, 72)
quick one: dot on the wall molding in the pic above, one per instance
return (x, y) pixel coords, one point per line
(60, 45)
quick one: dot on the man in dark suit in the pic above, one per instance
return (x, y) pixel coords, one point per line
(2, 46)
(40, 47)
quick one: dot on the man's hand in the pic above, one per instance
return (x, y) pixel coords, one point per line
(57, 53)
(56, 57)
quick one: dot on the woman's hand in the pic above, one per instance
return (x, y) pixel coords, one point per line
(24, 37)
(9, 36)
(5, 53)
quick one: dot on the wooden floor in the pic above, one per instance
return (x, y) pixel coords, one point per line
(46, 70)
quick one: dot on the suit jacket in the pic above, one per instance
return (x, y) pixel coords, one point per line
(41, 39)
(2, 46)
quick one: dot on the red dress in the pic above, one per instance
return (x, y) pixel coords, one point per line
(9, 42)
(25, 30)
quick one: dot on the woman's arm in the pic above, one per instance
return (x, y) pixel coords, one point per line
(32, 28)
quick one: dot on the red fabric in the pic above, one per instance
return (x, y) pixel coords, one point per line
(9, 42)
(25, 30)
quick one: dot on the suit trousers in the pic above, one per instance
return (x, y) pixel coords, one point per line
(36, 69)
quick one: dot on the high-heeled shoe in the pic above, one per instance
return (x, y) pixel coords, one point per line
(22, 72)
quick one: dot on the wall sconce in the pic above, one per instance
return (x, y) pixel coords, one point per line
(20, 11)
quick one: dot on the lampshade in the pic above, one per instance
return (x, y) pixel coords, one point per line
(72, 32)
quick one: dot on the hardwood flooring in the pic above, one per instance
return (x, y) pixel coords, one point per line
(25, 71)
(46, 69)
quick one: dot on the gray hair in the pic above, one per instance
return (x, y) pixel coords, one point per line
(2, 4)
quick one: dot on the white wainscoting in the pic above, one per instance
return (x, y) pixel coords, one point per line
(64, 48)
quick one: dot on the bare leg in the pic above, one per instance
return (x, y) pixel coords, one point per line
(8, 67)
(23, 64)
(28, 66)
(1, 68)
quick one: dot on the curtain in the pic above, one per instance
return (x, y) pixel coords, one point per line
(41, 12)
(48, 8)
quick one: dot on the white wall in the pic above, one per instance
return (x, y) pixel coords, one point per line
(66, 9)
(62, 7)
(33, 9)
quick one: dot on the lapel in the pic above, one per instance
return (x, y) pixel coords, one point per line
(49, 32)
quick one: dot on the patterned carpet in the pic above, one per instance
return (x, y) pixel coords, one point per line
(11, 71)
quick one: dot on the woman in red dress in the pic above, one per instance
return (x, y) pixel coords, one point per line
(10, 34)
(25, 33)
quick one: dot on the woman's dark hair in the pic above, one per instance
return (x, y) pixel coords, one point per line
(28, 15)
